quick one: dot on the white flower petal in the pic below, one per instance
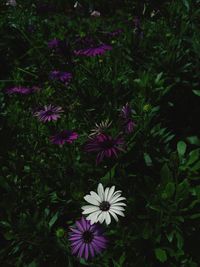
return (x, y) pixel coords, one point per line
(101, 217)
(114, 215)
(94, 195)
(111, 191)
(119, 204)
(90, 210)
(88, 206)
(91, 200)
(114, 197)
(108, 219)
(117, 200)
(119, 212)
(117, 192)
(106, 193)
(100, 191)
(93, 216)
(117, 208)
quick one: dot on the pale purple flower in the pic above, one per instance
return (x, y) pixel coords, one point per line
(64, 136)
(61, 76)
(105, 146)
(93, 51)
(49, 113)
(100, 128)
(87, 240)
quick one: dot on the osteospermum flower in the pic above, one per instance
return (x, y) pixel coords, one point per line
(93, 51)
(49, 113)
(126, 116)
(61, 76)
(64, 137)
(20, 90)
(104, 204)
(86, 239)
(105, 146)
(100, 128)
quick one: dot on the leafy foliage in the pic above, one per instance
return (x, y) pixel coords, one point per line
(153, 66)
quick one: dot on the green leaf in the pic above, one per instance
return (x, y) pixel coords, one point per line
(166, 174)
(161, 254)
(193, 140)
(180, 240)
(170, 189)
(53, 219)
(181, 148)
(83, 261)
(183, 189)
(186, 4)
(196, 92)
(170, 236)
(109, 175)
(32, 264)
(147, 159)
(193, 156)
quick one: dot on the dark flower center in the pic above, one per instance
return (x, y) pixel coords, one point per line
(48, 112)
(108, 144)
(87, 236)
(64, 134)
(104, 206)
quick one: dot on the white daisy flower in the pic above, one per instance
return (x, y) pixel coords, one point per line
(104, 204)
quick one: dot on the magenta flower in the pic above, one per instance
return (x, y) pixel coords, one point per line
(86, 239)
(93, 51)
(61, 76)
(104, 146)
(49, 113)
(126, 116)
(20, 90)
(64, 137)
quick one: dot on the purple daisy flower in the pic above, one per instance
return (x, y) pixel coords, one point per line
(128, 123)
(86, 239)
(49, 113)
(93, 51)
(20, 90)
(62, 76)
(105, 146)
(64, 137)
